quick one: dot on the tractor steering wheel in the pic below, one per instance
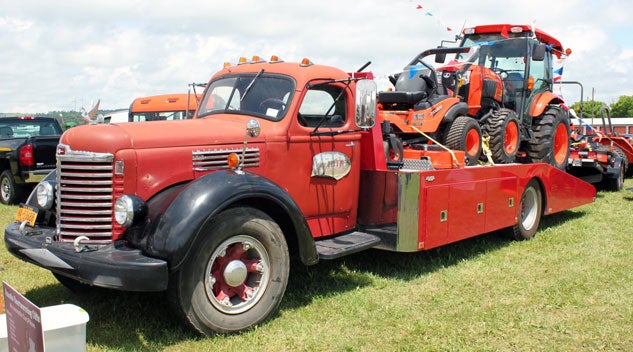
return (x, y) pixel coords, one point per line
(501, 72)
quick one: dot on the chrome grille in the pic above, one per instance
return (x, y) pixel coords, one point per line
(206, 160)
(84, 195)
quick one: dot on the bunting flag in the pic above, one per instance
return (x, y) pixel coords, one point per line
(439, 21)
(558, 74)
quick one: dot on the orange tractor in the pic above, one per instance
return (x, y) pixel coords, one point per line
(497, 89)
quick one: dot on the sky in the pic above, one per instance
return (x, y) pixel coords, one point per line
(67, 54)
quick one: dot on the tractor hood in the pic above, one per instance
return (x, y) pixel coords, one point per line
(110, 138)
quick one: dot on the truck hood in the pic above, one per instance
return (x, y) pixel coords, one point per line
(110, 138)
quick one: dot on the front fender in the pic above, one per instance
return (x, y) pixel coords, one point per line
(542, 101)
(177, 229)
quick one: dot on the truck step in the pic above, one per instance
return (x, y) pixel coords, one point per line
(339, 246)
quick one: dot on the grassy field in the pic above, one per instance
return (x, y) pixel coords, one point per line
(568, 289)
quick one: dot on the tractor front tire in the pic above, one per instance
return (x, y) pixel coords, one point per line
(505, 135)
(551, 138)
(235, 276)
(464, 134)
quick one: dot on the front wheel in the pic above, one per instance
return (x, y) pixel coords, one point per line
(465, 134)
(236, 275)
(504, 131)
(530, 211)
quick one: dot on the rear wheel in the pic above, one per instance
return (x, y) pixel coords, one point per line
(237, 274)
(625, 163)
(465, 134)
(530, 210)
(551, 138)
(503, 128)
(9, 191)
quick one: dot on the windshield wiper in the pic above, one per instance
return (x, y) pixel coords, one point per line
(250, 85)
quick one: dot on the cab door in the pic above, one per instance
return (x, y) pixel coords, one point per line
(324, 150)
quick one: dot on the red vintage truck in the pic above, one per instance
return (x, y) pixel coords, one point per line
(281, 160)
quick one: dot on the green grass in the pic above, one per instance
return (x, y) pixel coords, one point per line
(570, 288)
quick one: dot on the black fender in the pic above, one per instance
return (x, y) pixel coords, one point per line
(177, 229)
(458, 109)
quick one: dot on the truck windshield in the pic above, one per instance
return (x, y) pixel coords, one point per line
(257, 94)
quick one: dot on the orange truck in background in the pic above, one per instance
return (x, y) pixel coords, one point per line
(164, 107)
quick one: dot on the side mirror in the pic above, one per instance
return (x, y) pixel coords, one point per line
(538, 52)
(365, 116)
(440, 58)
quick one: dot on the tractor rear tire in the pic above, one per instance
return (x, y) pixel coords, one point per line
(551, 138)
(503, 127)
(464, 134)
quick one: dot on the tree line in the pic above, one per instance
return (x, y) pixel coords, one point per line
(621, 108)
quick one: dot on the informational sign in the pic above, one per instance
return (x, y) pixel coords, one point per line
(24, 322)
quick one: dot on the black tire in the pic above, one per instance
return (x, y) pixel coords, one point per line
(614, 184)
(9, 191)
(464, 134)
(530, 211)
(504, 130)
(551, 138)
(625, 162)
(245, 249)
(72, 284)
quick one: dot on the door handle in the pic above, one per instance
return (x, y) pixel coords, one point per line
(350, 144)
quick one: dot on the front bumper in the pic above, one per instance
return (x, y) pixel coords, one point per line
(113, 266)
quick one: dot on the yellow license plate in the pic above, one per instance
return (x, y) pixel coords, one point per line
(26, 213)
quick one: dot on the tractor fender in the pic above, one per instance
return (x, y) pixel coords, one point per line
(458, 109)
(177, 230)
(542, 101)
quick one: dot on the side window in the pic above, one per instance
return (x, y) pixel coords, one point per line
(319, 101)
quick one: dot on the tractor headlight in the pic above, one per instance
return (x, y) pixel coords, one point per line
(129, 210)
(45, 195)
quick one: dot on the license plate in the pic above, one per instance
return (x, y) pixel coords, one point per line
(26, 213)
(576, 162)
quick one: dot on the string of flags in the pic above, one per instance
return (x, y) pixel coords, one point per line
(437, 19)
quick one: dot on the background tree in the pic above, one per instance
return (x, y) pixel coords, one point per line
(590, 109)
(623, 107)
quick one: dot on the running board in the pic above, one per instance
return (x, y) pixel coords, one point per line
(343, 245)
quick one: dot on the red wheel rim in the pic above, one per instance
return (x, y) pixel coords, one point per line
(511, 138)
(472, 142)
(561, 143)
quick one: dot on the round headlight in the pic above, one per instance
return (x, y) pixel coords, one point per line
(127, 209)
(45, 194)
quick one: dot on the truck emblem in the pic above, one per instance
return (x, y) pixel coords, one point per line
(331, 164)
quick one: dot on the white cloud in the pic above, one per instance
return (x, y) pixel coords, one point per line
(60, 55)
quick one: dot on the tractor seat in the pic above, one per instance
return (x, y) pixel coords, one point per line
(411, 86)
(396, 97)
(516, 80)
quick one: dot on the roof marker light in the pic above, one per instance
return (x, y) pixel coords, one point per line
(256, 58)
(227, 64)
(242, 60)
(275, 58)
(516, 29)
(469, 30)
(306, 62)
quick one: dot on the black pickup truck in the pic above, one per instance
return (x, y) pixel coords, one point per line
(27, 154)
